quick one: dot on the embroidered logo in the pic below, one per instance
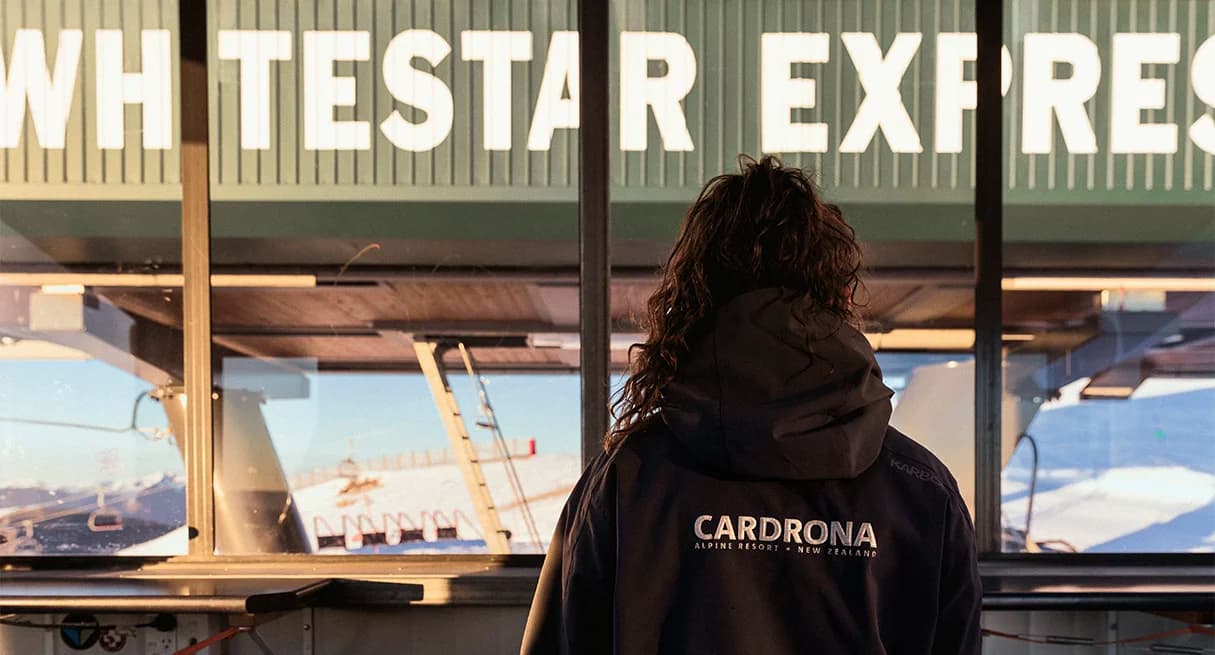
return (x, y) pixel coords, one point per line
(912, 470)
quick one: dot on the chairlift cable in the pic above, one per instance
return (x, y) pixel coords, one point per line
(12, 622)
(130, 427)
(512, 475)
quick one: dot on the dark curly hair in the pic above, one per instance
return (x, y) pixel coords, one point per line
(762, 227)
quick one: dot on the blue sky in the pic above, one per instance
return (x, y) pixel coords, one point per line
(380, 413)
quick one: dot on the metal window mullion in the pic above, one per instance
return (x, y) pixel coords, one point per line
(594, 273)
(989, 270)
(196, 268)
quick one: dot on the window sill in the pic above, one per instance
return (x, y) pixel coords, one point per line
(1020, 584)
(1144, 583)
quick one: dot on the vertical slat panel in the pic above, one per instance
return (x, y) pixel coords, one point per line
(7, 29)
(722, 110)
(539, 167)
(324, 14)
(309, 161)
(1209, 158)
(233, 161)
(523, 98)
(290, 94)
(93, 161)
(381, 158)
(356, 15)
(426, 169)
(34, 13)
(109, 18)
(244, 16)
(129, 161)
(402, 161)
(343, 18)
(76, 137)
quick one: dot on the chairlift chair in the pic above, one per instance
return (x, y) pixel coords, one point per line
(407, 532)
(103, 519)
(19, 539)
(327, 541)
(371, 533)
(445, 530)
(325, 536)
(411, 535)
(348, 468)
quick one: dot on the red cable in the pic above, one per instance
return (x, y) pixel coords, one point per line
(1186, 630)
(209, 641)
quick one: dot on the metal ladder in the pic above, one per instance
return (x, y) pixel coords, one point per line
(430, 358)
(491, 422)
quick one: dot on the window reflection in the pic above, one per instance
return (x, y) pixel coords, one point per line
(1115, 453)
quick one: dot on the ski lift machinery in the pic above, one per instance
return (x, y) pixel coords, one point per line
(430, 358)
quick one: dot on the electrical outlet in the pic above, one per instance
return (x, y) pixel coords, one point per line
(159, 643)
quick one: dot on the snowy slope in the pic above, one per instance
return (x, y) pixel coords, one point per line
(1131, 509)
(546, 480)
(171, 543)
(1133, 475)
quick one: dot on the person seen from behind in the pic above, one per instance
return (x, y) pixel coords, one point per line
(751, 496)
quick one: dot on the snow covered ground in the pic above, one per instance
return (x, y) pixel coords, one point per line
(1131, 509)
(546, 481)
(1113, 476)
(1127, 476)
(171, 543)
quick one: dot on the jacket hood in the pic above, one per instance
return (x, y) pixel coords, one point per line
(760, 395)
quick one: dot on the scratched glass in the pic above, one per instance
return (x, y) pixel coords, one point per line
(396, 332)
(1109, 305)
(91, 371)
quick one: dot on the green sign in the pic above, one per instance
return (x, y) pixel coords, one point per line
(1107, 103)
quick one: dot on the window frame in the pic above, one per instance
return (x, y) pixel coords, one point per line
(594, 28)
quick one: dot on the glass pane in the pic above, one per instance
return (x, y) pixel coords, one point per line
(805, 81)
(1109, 301)
(90, 281)
(395, 201)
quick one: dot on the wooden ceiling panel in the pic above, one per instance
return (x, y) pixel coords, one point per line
(322, 348)
(379, 303)
(336, 324)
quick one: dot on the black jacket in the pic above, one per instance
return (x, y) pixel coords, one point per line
(770, 510)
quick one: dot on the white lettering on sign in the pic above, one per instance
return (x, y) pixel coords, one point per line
(49, 94)
(1060, 75)
(255, 49)
(1131, 93)
(553, 109)
(1202, 78)
(954, 93)
(882, 109)
(1044, 95)
(781, 93)
(152, 88)
(663, 94)
(496, 51)
(789, 530)
(324, 91)
(417, 89)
